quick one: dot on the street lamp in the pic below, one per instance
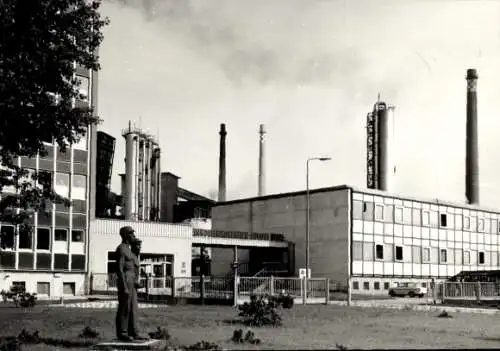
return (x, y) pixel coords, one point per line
(308, 209)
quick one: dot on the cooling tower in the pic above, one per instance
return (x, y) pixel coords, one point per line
(472, 154)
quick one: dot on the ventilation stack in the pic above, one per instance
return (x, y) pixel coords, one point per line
(471, 139)
(222, 164)
(262, 174)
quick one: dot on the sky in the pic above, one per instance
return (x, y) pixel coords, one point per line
(310, 71)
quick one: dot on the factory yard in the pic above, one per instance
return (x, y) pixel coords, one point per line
(305, 327)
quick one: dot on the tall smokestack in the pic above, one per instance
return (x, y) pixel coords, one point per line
(472, 155)
(222, 163)
(262, 174)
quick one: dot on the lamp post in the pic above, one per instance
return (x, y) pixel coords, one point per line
(308, 212)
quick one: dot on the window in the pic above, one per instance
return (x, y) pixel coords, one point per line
(416, 254)
(61, 235)
(78, 187)
(357, 251)
(466, 257)
(466, 223)
(379, 212)
(494, 226)
(399, 253)
(426, 255)
(43, 288)
(424, 285)
(83, 87)
(480, 225)
(368, 251)
(386, 285)
(43, 239)
(69, 289)
(417, 221)
(357, 209)
(45, 181)
(368, 211)
(434, 255)
(425, 218)
(443, 220)
(77, 236)
(407, 215)
(376, 285)
(434, 219)
(19, 285)
(389, 213)
(379, 252)
(398, 215)
(458, 221)
(62, 184)
(458, 256)
(7, 236)
(480, 257)
(25, 238)
(443, 256)
(366, 285)
(355, 285)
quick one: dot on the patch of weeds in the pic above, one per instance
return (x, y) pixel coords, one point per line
(249, 337)
(89, 333)
(202, 345)
(160, 334)
(260, 311)
(444, 314)
(341, 347)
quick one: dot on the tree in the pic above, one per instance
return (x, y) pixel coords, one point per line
(40, 44)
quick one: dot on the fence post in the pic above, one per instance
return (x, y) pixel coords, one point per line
(202, 289)
(478, 292)
(236, 290)
(172, 288)
(147, 288)
(327, 290)
(91, 283)
(271, 288)
(349, 293)
(303, 290)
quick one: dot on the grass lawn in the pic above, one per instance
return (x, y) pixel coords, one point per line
(305, 327)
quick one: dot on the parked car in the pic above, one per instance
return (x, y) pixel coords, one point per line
(407, 289)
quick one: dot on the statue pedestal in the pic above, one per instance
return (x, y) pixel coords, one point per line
(131, 345)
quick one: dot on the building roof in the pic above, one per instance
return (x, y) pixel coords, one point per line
(365, 191)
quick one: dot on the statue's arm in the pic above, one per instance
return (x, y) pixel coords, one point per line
(120, 272)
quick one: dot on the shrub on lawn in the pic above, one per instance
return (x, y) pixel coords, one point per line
(202, 345)
(160, 334)
(444, 314)
(285, 301)
(341, 347)
(89, 333)
(260, 311)
(19, 296)
(249, 337)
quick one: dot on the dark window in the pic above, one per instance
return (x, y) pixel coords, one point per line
(368, 211)
(443, 257)
(366, 285)
(77, 262)
(386, 285)
(443, 220)
(112, 256)
(7, 259)
(399, 253)
(379, 252)
(7, 236)
(111, 267)
(61, 235)
(45, 180)
(355, 285)
(43, 239)
(19, 285)
(79, 206)
(43, 288)
(481, 258)
(376, 285)
(26, 238)
(61, 262)
(424, 285)
(77, 236)
(26, 260)
(79, 221)
(43, 261)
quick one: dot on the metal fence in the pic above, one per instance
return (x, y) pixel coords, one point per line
(223, 288)
(471, 291)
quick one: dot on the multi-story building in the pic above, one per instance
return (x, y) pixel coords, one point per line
(372, 238)
(52, 259)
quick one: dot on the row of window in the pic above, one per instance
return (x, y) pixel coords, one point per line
(43, 237)
(41, 261)
(416, 254)
(370, 211)
(43, 288)
(376, 285)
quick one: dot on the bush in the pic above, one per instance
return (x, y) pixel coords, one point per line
(89, 333)
(19, 296)
(160, 334)
(285, 301)
(249, 337)
(260, 311)
(203, 345)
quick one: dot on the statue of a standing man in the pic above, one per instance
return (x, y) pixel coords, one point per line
(127, 274)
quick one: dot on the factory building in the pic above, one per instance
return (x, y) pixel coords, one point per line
(373, 238)
(52, 259)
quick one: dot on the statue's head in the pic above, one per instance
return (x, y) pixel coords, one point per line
(127, 234)
(135, 245)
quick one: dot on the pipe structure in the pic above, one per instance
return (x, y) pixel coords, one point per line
(222, 164)
(471, 137)
(262, 174)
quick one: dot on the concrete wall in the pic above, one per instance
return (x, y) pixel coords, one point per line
(157, 238)
(329, 226)
(55, 280)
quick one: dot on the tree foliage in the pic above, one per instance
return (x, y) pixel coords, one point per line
(41, 43)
